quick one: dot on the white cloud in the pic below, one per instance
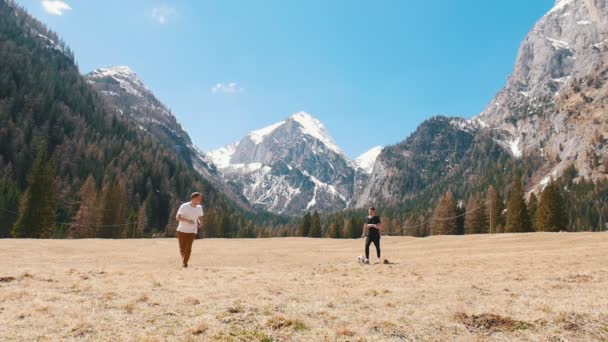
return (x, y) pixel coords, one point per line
(226, 88)
(161, 14)
(55, 7)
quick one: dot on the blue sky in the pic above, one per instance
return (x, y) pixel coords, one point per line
(371, 71)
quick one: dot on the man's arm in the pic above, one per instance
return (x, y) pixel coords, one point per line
(364, 230)
(183, 219)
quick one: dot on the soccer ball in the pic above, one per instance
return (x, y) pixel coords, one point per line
(362, 260)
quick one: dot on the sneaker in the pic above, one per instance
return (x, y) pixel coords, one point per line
(366, 261)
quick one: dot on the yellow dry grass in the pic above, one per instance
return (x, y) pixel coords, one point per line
(493, 287)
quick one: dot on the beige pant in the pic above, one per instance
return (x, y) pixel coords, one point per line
(185, 245)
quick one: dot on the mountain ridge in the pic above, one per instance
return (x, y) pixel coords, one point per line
(566, 45)
(290, 167)
(123, 90)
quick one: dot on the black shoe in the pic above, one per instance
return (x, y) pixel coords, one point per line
(185, 265)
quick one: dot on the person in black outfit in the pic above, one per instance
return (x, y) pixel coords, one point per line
(371, 230)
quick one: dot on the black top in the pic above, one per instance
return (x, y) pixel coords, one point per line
(373, 232)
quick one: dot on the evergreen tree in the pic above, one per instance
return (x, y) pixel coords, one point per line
(86, 220)
(550, 213)
(304, 228)
(444, 219)
(225, 227)
(9, 206)
(335, 230)
(494, 211)
(475, 220)
(518, 220)
(170, 229)
(142, 221)
(113, 211)
(460, 217)
(37, 211)
(315, 226)
(354, 229)
(532, 207)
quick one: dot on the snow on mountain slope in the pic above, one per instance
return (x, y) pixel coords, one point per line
(290, 167)
(127, 79)
(537, 111)
(124, 91)
(316, 129)
(366, 160)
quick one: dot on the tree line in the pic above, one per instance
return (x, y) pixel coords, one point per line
(562, 204)
(71, 166)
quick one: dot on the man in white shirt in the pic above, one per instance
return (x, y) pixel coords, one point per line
(190, 217)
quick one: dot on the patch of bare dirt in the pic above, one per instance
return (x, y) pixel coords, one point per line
(489, 323)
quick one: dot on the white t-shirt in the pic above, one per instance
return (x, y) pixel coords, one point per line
(191, 213)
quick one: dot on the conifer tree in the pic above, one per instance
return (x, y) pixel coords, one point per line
(550, 213)
(334, 231)
(225, 227)
(86, 220)
(475, 219)
(518, 220)
(460, 216)
(9, 206)
(354, 229)
(37, 211)
(444, 220)
(532, 207)
(494, 211)
(304, 228)
(315, 226)
(113, 211)
(142, 221)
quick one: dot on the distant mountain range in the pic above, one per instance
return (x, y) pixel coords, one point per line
(292, 166)
(116, 162)
(551, 114)
(124, 91)
(552, 111)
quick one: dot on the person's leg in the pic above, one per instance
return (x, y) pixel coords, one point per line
(377, 245)
(181, 238)
(368, 241)
(188, 249)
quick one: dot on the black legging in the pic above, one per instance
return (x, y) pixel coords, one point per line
(368, 241)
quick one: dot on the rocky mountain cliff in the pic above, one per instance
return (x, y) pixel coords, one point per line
(290, 167)
(552, 111)
(442, 153)
(124, 91)
(552, 104)
(51, 115)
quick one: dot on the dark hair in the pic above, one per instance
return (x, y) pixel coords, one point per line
(372, 208)
(196, 194)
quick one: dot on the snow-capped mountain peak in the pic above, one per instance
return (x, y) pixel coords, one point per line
(258, 136)
(313, 127)
(221, 157)
(366, 160)
(122, 71)
(560, 4)
(307, 125)
(122, 90)
(289, 167)
(124, 76)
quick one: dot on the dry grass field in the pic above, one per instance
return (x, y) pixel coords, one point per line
(546, 287)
